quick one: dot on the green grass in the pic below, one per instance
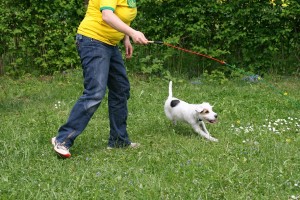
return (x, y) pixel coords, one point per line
(257, 156)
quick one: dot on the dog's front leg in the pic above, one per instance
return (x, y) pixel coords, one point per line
(203, 132)
(203, 127)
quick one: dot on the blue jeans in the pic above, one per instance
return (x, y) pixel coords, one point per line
(102, 66)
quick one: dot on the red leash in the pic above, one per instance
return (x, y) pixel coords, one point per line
(189, 51)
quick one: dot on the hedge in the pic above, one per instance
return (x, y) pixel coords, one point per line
(37, 37)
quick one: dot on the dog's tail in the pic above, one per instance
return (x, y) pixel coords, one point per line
(170, 90)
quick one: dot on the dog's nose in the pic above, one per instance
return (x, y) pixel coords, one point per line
(216, 116)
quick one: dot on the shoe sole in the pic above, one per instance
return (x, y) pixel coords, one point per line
(68, 155)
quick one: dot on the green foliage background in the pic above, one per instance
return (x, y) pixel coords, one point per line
(38, 36)
(259, 35)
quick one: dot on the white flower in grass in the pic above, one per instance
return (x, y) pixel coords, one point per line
(249, 129)
(245, 141)
(294, 197)
(57, 105)
(276, 126)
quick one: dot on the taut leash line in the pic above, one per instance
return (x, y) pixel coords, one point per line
(188, 51)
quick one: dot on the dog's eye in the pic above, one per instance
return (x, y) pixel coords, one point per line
(205, 111)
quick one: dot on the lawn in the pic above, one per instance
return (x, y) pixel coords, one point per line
(257, 156)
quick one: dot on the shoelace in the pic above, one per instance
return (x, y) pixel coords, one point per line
(60, 146)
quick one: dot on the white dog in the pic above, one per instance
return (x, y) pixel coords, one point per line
(194, 114)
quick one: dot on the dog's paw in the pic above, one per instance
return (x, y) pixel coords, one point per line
(213, 139)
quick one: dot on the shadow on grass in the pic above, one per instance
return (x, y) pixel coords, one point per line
(182, 129)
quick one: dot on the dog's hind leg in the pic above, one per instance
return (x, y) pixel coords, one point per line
(201, 130)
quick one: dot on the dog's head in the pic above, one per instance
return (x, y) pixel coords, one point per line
(205, 113)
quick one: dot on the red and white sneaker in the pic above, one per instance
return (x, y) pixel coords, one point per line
(60, 149)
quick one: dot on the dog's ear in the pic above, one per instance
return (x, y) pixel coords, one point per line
(199, 110)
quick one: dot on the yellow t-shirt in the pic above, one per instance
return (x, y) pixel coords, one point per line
(94, 27)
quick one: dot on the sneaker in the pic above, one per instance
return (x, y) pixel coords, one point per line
(132, 145)
(109, 148)
(60, 149)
